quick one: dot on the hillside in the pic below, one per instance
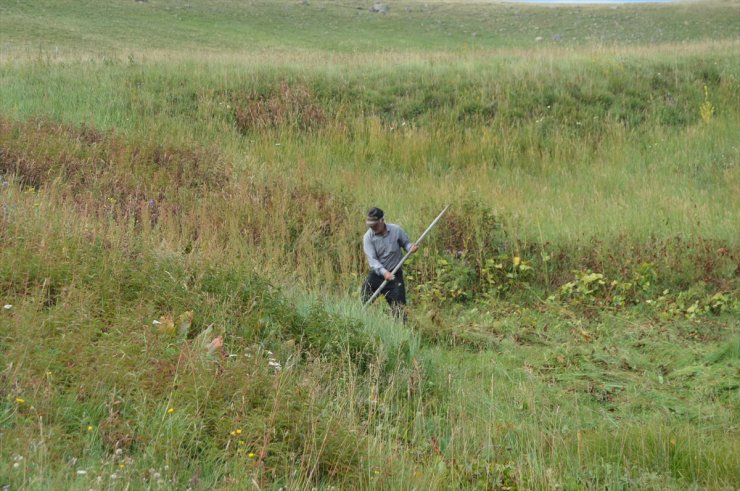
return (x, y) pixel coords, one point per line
(182, 192)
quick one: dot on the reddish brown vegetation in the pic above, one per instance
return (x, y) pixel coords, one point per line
(289, 106)
(104, 171)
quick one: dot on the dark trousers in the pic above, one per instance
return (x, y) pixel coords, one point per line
(394, 292)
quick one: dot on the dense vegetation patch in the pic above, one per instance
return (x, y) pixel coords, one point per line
(180, 246)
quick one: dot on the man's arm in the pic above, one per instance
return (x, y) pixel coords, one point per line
(372, 258)
(405, 242)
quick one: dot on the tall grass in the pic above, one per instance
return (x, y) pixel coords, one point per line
(573, 321)
(560, 153)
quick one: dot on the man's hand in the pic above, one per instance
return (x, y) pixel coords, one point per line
(413, 248)
(388, 276)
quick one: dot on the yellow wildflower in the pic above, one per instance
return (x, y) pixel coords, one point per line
(251, 455)
(170, 410)
(89, 428)
(20, 401)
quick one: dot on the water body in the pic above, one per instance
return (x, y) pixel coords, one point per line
(589, 2)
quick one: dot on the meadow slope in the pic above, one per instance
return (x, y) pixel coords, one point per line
(175, 175)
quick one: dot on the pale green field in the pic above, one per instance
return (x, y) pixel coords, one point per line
(573, 321)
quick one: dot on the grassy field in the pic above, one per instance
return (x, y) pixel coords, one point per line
(225, 26)
(176, 174)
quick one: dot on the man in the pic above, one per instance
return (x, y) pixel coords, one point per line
(382, 244)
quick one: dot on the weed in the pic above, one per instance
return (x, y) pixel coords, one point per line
(706, 110)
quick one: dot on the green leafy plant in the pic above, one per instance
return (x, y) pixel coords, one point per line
(502, 273)
(453, 280)
(586, 286)
(696, 302)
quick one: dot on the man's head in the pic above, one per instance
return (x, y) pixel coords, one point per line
(375, 220)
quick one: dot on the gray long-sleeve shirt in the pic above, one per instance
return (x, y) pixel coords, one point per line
(384, 251)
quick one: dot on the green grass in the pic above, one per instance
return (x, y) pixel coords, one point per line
(228, 25)
(560, 151)
(573, 321)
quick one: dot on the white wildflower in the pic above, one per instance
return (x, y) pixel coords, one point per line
(7, 306)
